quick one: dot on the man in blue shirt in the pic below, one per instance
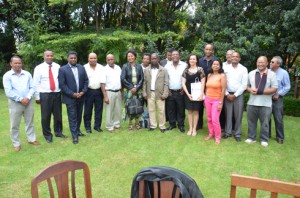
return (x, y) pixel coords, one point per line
(277, 100)
(18, 86)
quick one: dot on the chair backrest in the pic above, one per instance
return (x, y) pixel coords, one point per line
(60, 172)
(275, 187)
(161, 189)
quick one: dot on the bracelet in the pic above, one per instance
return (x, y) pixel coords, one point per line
(220, 102)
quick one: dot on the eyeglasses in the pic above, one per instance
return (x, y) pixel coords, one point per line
(272, 62)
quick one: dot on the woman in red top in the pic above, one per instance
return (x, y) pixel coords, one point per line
(215, 90)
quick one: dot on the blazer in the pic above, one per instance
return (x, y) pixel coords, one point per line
(67, 83)
(126, 76)
(161, 83)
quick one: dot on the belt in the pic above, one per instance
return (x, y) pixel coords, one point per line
(93, 89)
(176, 90)
(117, 90)
(231, 93)
(152, 90)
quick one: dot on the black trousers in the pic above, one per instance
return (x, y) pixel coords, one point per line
(74, 111)
(93, 99)
(200, 120)
(51, 104)
(175, 109)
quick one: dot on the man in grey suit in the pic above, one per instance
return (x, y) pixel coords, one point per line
(155, 91)
(73, 82)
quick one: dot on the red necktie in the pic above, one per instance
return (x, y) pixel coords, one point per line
(51, 79)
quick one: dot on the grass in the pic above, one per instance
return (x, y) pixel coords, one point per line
(114, 159)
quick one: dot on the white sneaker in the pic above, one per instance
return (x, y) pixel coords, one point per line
(265, 144)
(250, 141)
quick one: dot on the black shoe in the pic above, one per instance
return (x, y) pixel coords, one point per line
(61, 136)
(171, 127)
(98, 129)
(238, 139)
(49, 140)
(279, 141)
(88, 130)
(199, 127)
(225, 136)
(80, 134)
(181, 129)
(151, 129)
(163, 130)
(75, 140)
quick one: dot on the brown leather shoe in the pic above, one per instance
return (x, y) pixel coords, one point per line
(17, 148)
(34, 143)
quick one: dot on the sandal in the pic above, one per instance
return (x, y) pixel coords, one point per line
(138, 127)
(189, 133)
(217, 141)
(194, 133)
(130, 127)
(208, 137)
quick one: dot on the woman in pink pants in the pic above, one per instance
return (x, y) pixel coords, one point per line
(215, 90)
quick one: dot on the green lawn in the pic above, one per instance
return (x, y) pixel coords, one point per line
(114, 159)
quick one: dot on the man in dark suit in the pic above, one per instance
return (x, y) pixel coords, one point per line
(73, 82)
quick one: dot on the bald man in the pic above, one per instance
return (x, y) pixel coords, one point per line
(94, 96)
(262, 83)
(111, 88)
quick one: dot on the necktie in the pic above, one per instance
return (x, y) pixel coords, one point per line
(51, 79)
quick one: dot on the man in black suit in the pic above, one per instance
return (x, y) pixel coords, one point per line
(73, 82)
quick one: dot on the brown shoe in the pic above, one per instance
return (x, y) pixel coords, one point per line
(17, 148)
(34, 143)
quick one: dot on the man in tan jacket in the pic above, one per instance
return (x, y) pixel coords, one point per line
(155, 91)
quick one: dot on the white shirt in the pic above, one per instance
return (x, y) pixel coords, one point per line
(111, 77)
(154, 72)
(175, 74)
(237, 79)
(41, 78)
(94, 75)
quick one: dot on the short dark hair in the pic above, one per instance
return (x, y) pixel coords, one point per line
(72, 53)
(132, 52)
(209, 44)
(15, 56)
(170, 50)
(146, 54)
(221, 66)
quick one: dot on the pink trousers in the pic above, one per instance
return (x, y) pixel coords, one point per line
(213, 114)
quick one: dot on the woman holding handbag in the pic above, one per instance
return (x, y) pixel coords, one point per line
(192, 97)
(132, 78)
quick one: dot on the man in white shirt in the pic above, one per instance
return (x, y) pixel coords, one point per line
(228, 58)
(111, 89)
(175, 101)
(237, 79)
(94, 96)
(48, 95)
(168, 59)
(145, 61)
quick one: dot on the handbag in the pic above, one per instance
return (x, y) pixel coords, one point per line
(196, 89)
(135, 105)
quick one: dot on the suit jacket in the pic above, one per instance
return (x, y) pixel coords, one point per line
(67, 83)
(126, 76)
(161, 83)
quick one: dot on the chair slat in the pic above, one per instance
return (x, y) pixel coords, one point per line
(50, 187)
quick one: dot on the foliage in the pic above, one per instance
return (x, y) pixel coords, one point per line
(115, 42)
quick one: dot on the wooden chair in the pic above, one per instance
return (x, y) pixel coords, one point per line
(60, 172)
(161, 189)
(275, 187)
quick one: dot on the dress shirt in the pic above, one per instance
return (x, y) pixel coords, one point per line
(18, 86)
(154, 72)
(206, 64)
(283, 80)
(111, 77)
(237, 79)
(41, 78)
(94, 75)
(225, 64)
(75, 72)
(175, 74)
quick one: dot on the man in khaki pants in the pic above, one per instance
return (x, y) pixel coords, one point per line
(155, 91)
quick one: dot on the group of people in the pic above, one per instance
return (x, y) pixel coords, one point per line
(168, 88)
